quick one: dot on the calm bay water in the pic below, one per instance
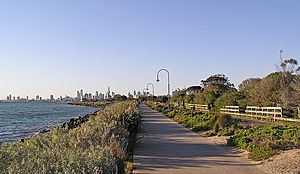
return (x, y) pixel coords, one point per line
(20, 120)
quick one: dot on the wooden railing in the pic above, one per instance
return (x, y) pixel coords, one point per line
(264, 111)
(254, 112)
(230, 110)
(197, 107)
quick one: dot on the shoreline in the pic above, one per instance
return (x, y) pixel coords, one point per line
(71, 123)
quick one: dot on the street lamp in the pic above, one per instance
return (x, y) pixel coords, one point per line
(168, 83)
(152, 90)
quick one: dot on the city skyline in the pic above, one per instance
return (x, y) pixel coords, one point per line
(59, 47)
(80, 95)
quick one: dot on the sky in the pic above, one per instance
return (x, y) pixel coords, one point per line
(58, 47)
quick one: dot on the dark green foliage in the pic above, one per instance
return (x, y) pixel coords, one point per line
(189, 98)
(206, 97)
(219, 80)
(229, 98)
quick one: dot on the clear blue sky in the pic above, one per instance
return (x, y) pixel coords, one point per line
(57, 47)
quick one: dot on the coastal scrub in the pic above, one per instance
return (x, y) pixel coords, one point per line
(100, 145)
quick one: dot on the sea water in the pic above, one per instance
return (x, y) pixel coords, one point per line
(23, 119)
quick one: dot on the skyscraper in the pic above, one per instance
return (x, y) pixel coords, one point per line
(78, 95)
(97, 95)
(81, 94)
(108, 96)
(51, 98)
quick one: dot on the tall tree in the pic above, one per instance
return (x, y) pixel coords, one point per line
(218, 80)
(249, 83)
(287, 68)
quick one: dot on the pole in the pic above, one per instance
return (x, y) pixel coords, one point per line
(168, 83)
(152, 90)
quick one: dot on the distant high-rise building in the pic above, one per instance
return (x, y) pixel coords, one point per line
(81, 92)
(97, 95)
(18, 98)
(51, 98)
(138, 94)
(108, 96)
(27, 98)
(113, 95)
(9, 97)
(78, 95)
(101, 96)
(14, 98)
(37, 97)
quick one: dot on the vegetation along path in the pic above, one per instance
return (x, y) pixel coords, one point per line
(167, 147)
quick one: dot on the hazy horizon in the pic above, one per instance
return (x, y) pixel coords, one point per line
(59, 47)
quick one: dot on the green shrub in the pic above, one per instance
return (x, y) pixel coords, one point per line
(267, 139)
(181, 119)
(226, 132)
(171, 114)
(261, 153)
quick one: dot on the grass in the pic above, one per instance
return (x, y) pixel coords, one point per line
(101, 145)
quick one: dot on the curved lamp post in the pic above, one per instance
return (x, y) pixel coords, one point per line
(152, 89)
(168, 83)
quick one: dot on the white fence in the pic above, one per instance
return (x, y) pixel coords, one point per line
(262, 113)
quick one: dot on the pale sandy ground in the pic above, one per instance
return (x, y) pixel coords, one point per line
(287, 162)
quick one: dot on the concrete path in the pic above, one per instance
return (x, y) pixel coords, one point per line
(167, 147)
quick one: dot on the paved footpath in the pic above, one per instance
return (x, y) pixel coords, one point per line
(169, 148)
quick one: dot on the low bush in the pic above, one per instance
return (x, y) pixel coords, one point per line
(227, 131)
(269, 139)
(258, 153)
